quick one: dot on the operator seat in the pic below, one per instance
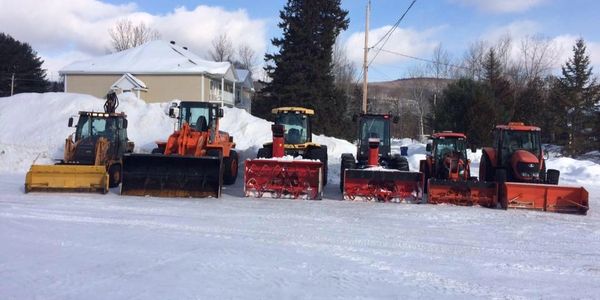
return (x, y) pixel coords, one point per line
(293, 136)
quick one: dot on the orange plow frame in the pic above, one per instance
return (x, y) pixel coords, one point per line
(546, 197)
(465, 193)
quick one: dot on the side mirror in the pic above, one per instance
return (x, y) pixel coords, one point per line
(174, 112)
(354, 118)
(220, 113)
(396, 119)
(70, 122)
(125, 123)
(428, 148)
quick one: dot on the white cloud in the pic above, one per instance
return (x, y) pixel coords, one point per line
(501, 6)
(516, 30)
(564, 45)
(405, 41)
(62, 31)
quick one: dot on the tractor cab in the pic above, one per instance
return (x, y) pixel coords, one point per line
(520, 150)
(373, 127)
(447, 151)
(296, 123)
(93, 126)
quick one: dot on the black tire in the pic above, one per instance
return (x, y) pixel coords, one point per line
(485, 168)
(157, 151)
(264, 153)
(230, 168)
(423, 168)
(114, 175)
(399, 162)
(319, 153)
(347, 162)
(500, 180)
(552, 176)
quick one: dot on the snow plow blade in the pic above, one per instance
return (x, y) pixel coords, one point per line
(66, 178)
(383, 185)
(546, 197)
(171, 176)
(465, 193)
(283, 179)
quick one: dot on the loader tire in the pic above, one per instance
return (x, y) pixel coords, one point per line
(485, 169)
(114, 175)
(399, 163)
(264, 153)
(230, 168)
(347, 162)
(320, 154)
(157, 151)
(500, 180)
(552, 176)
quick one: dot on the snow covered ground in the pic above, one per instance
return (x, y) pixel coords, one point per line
(74, 246)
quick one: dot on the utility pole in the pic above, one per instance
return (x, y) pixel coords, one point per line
(12, 84)
(365, 62)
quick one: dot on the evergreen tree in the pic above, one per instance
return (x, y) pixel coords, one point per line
(502, 91)
(579, 95)
(301, 72)
(19, 59)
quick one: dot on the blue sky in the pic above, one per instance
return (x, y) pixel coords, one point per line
(66, 30)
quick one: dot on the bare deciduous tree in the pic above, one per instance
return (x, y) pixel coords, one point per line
(538, 55)
(125, 34)
(222, 49)
(246, 57)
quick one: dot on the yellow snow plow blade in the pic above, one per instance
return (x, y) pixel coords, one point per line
(66, 178)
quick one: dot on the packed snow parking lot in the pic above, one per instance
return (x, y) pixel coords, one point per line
(59, 245)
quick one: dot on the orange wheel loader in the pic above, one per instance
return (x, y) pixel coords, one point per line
(516, 163)
(195, 161)
(447, 173)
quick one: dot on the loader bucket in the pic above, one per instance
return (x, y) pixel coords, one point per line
(465, 193)
(279, 178)
(546, 197)
(171, 176)
(67, 178)
(383, 185)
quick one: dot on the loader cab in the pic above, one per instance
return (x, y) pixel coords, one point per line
(92, 126)
(296, 123)
(201, 116)
(372, 126)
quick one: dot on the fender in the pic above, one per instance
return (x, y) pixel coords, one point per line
(491, 153)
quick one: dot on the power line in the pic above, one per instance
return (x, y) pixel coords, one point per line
(388, 34)
(425, 59)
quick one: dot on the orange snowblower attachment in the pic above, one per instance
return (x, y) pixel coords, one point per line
(546, 197)
(280, 177)
(380, 184)
(464, 193)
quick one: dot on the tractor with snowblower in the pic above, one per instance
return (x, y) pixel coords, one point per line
(291, 166)
(375, 173)
(447, 173)
(195, 161)
(516, 163)
(93, 154)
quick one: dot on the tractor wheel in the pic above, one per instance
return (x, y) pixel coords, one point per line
(347, 162)
(230, 168)
(114, 175)
(486, 169)
(552, 176)
(423, 168)
(399, 163)
(157, 151)
(264, 153)
(500, 180)
(319, 153)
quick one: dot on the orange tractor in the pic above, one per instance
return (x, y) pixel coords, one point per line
(447, 173)
(194, 162)
(377, 174)
(516, 163)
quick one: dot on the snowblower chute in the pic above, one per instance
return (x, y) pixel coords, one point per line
(378, 175)
(196, 160)
(92, 155)
(283, 177)
(448, 174)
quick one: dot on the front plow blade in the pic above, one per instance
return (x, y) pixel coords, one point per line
(383, 185)
(546, 197)
(67, 178)
(171, 176)
(465, 193)
(283, 178)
